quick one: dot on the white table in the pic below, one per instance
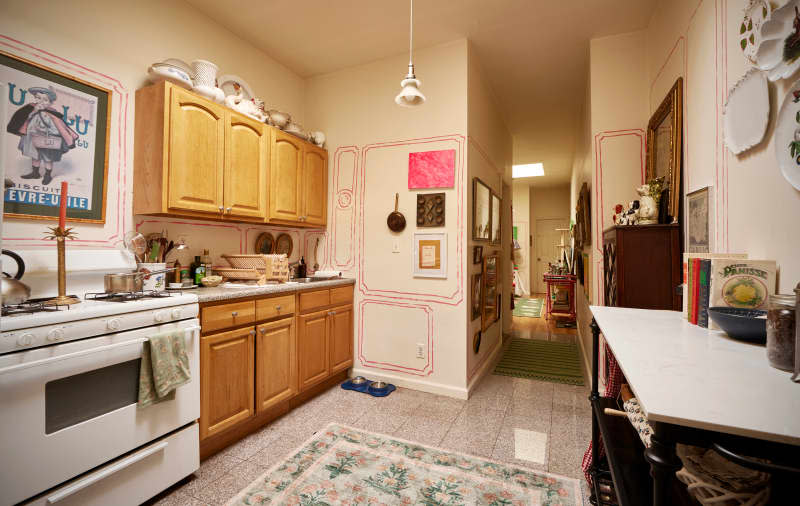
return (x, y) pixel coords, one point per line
(694, 383)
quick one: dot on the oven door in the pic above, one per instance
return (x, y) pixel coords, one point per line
(68, 408)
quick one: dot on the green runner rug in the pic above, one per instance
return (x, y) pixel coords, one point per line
(542, 360)
(530, 308)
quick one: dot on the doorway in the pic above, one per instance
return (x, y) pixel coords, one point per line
(546, 249)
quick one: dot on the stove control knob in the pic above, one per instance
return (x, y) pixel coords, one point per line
(25, 340)
(176, 313)
(160, 316)
(113, 324)
(55, 335)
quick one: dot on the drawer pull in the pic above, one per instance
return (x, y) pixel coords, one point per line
(252, 332)
(333, 313)
(234, 313)
(278, 307)
(263, 331)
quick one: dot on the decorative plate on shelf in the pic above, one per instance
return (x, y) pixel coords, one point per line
(787, 136)
(779, 50)
(226, 83)
(756, 13)
(265, 243)
(746, 112)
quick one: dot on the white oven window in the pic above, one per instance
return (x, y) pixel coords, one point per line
(75, 399)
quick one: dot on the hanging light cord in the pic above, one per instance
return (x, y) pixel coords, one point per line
(411, 44)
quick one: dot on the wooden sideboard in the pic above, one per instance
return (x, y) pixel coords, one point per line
(642, 266)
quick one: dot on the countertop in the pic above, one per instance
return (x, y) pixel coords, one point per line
(691, 376)
(219, 293)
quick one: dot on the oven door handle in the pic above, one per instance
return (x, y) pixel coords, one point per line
(76, 354)
(106, 472)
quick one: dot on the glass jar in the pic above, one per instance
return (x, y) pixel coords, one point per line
(780, 331)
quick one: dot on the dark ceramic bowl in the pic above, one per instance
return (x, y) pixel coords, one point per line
(742, 324)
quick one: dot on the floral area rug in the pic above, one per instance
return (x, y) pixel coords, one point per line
(344, 466)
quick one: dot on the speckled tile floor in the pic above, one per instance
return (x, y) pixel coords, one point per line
(484, 425)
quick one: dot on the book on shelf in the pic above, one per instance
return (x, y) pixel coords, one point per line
(704, 291)
(740, 283)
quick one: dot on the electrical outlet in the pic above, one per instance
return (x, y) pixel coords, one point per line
(396, 245)
(420, 350)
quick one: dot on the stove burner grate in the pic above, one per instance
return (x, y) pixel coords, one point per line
(127, 296)
(33, 306)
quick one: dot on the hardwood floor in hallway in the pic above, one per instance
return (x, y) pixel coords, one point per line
(539, 328)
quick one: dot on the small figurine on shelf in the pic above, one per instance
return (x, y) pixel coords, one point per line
(649, 195)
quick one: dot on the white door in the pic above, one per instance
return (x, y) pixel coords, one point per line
(522, 257)
(545, 246)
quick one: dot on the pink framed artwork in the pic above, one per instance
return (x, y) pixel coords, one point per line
(431, 169)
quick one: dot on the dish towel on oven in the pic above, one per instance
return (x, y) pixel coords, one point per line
(165, 367)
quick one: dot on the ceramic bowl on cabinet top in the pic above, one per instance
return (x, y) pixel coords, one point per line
(176, 62)
(208, 92)
(278, 119)
(165, 72)
(296, 130)
(317, 138)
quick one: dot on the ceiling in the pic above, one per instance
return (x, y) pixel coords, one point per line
(535, 53)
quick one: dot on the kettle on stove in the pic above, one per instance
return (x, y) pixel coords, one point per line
(14, 291)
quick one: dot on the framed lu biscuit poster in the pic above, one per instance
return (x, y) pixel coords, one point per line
(55, 129)
(430, 255)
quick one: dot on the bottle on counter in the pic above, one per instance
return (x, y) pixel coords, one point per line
(177, 272)
(198, 270)
(302, 269)
(205, 259)
(781, 331)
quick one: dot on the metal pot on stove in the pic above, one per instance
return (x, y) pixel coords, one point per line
(14, 291)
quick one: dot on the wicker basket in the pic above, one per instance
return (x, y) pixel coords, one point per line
(233, 273)
(246, 261)
(709, 494)
(272, 267)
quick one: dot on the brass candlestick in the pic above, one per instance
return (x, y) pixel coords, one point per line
(60, 236)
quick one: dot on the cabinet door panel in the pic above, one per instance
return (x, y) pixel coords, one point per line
(226, 380)
(315, 186)
(312, 342)
(196, 153)
(246, 167)
(341, 338)
(276, 363)
(285, 176)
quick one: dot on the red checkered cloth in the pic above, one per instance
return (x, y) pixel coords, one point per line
(613, 379)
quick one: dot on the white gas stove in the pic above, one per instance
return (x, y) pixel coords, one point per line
(94, 315)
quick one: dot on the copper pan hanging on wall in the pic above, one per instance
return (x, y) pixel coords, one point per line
(396, 221)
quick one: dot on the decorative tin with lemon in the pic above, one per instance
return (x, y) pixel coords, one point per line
(743, 284)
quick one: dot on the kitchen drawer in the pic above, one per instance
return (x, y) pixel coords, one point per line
(274, 306)
(342, 295)
(227, 315)
(313, 300)
(134, 478)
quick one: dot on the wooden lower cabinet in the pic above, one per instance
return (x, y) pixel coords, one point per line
(312, 348)
(341, 338)
(276, 363)
(226, 380)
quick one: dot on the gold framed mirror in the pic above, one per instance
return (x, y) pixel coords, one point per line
(665, 146)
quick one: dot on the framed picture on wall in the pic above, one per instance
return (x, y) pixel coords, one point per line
(475, 292)
(481, 211)
(490, 308)
(477, 254)
(496, 214)
(665, 147)
(430, 255)
(700, 226)
(55, 129)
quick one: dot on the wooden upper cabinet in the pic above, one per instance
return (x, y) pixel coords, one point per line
(315, 186)
(285, 180)
(246, 159)
(276, 363)
(341, 338)
(226, 380)
(312, 342)
(196, 153)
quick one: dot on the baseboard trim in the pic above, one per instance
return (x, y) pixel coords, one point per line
(489, 364)
(587, 368)
(414, 384)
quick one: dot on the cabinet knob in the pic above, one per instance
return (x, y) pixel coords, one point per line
(263, 331)
(221, 208)
(252, 332)
(234, 313)
(278, 307)
(333, 313)
(228, 210)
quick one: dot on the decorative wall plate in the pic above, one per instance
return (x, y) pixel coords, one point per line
(284, 245)
(226, 83)
(746, 113)
(756, 13)
(265, 244)
(779, 50)
(430, 209)
(787, 136)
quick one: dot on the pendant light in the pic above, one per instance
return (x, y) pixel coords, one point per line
(410, 95)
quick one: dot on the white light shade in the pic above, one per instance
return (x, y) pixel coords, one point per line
(527, 170)
(410, 95)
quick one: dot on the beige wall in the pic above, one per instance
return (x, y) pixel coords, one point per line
(756, 209)
(545, 203)
(490, 151)
(112, 44)
(369, 140)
